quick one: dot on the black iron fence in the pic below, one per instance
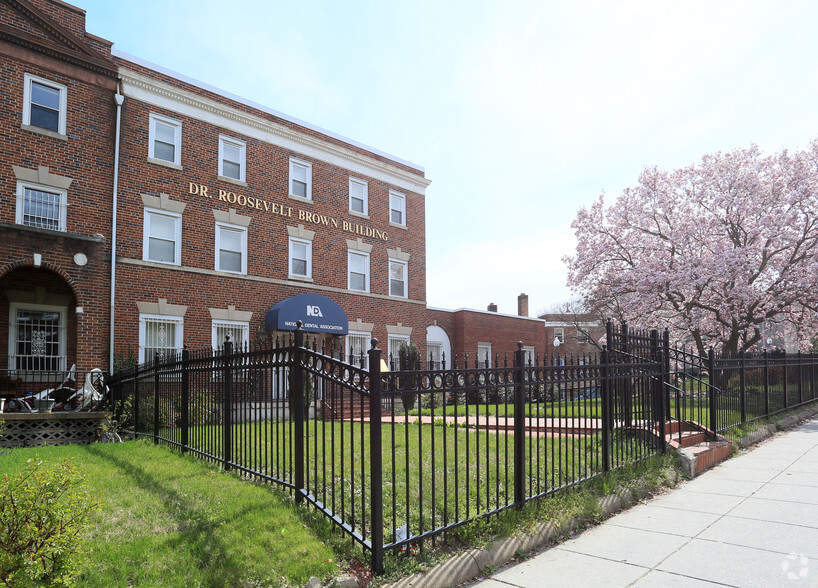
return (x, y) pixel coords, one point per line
(395, 457)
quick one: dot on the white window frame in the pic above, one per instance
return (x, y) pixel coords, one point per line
(393, 343)
(365, 196)
(241, 327)
(401, 199)
(365, 256)
(243, 244)
(483, 352)
(27, 93)
(308, 244)
(21, 199)
(144, 319)
(63, 332)
(308, 167)
(559, 333)
(242, 162)
(530, 354)
(177, 138)
(405, 266)
(366, 339)
(583, 336)
(149, 212)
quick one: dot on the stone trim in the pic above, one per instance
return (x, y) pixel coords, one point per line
(163, 202)
(232, 217)
(398, 254)
(42, 176)
(230, 314)
(361, 326)
(359, 245)
(301, 233)
(399, 329)
(161, 308)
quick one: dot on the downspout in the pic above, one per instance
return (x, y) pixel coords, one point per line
(119, 99)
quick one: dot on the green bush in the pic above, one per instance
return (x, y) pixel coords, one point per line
(43, 515)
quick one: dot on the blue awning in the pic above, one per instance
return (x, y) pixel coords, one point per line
(317, 313)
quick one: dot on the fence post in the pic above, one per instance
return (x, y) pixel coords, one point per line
(227, 429)
(812, 376)
(185, 397)
(376, 457)
(519, 425)
(784, 376)
(136, 400)
(711, 367)
(766, 382)
(627, 384)
(800, 378)
(298, 407)
(658, 394)
(742, 388)
(156, 398)
(666, 392)
(606, 407)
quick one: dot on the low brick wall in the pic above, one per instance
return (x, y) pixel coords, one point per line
(50, 428)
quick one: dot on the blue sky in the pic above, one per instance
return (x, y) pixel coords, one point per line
(520, 112)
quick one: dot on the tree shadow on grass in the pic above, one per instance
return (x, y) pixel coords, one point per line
(196, 529)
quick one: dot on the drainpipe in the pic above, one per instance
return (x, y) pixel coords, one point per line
(119, 99)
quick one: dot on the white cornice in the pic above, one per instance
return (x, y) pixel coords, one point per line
(150, 91)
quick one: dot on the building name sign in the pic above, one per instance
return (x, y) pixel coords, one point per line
(275, 208)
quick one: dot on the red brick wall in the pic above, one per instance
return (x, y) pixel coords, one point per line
(267, 179)
(86, 156)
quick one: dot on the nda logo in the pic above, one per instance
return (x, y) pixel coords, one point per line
(313, 310)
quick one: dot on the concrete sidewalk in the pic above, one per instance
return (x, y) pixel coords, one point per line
(751, 521)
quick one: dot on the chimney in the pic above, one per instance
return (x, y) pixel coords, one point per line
(522, 304)
(492, 307)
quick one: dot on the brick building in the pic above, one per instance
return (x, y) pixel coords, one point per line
(136, 197)
(57, 118)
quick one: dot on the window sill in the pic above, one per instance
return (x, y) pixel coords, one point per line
(300, 199)
(397, 226)
(298, 278)
(232, 181)
(168, 263)
(164, 163)
(46, 132)
(358, 214)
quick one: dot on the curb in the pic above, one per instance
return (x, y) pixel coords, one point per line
(769, 430)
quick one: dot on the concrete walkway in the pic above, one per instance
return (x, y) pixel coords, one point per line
(751, 521)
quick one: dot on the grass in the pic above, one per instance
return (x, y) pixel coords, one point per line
(169, 520)
(432, 475)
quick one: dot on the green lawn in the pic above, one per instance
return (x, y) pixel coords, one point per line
(170, 520)
(433, 475)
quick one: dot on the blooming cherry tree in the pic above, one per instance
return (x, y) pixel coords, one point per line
(722, 252)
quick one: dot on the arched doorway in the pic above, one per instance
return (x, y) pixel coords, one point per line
(38, 321)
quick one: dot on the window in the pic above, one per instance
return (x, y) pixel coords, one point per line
(238, 331)
(44, 104)
(43, 208)
(483, 355)
(159, 334)
(394, 343)
(397, 278)
(300, 179)
(231, 248)
(162, 237)
(300, 258)
(232, 158)
(530, 356)
(358, 271)
(397, 209)
(434, 350)
(559, 334)
(165, 139)
(357, 348)
(583, 336)
(358, 199)
(37, 337)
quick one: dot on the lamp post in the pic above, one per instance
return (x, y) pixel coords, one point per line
(557, 344)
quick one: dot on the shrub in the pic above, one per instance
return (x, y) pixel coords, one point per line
(43, 516)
